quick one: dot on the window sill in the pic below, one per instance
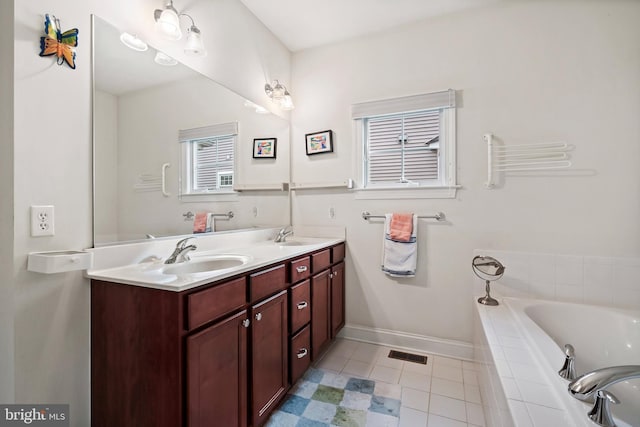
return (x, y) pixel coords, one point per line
(222, 196)
(390, 193)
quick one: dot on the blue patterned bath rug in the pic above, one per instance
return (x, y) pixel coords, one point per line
(326, 399)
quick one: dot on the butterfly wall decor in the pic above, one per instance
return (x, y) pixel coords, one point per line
(57, 43)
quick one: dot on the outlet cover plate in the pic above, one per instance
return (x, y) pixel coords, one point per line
(42, 221)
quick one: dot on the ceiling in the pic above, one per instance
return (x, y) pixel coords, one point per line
(301, 24)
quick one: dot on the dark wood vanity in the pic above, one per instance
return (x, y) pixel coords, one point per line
(222, 354)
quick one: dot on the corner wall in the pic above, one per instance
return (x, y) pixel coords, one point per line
(527, 72)
(6, 205)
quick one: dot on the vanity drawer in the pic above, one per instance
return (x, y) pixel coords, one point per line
(300, 305)
(267, 282)
(300, 269)
(300, 354)
(320, 260)
(214, 302)
(337, 253)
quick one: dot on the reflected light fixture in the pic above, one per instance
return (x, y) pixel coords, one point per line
(168, 25)
(279, 94)
(164, 59)
(258, 108)
(133, 42)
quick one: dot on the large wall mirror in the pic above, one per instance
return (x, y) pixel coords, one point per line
(140, 108)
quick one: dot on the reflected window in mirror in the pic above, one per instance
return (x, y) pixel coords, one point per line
(208, 159)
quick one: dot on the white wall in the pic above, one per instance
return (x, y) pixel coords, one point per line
(6, 206)
(52, 148)
(105, 152)
(526, 71)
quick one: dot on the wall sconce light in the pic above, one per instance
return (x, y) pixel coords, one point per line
(168, 24)
(279, 94)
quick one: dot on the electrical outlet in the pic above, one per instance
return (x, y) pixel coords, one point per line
(42, 221)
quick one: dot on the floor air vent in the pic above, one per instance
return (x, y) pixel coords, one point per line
(401, 355)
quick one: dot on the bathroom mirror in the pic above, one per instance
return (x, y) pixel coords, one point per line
(139, 107)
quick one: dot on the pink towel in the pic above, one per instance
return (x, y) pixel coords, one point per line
(401, 227)
(200, 222)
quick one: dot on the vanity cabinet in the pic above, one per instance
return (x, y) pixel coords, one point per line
(217, 374)
(269, 356)
(327, 300)
(222, 354)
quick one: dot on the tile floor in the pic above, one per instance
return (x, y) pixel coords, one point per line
(442, 393)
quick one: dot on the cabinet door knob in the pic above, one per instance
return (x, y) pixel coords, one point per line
(335, 273)
(301, 269)
(246, 323)
(302, 305)
(302, 353)
(259, 316)
(330, 275)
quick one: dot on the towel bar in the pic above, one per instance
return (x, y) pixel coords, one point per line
(438, 216)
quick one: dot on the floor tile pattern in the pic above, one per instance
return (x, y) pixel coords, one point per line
(323, 399)
(356, 384)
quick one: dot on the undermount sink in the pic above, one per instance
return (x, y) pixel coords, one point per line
(206, 264)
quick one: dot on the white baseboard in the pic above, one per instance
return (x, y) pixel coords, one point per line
(407, 341)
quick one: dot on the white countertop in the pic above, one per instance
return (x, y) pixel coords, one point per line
(147, 269)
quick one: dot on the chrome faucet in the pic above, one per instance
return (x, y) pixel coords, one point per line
(181, 252)
(595, 383)
(282, 235)
(568, 370)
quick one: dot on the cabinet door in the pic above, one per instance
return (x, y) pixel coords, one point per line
(320, 313)
(337, 298)
(217, 374)
(269, 356)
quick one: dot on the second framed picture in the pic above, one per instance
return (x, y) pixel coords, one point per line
(264, 148)
(319, 142)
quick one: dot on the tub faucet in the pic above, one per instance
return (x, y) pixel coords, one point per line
(181, 252)
(595, 383)
(282, 235)
(568, 370)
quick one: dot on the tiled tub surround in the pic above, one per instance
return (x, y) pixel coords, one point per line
(596, 280)
(519, 361)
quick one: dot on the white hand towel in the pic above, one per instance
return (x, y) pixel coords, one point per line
(399, 258)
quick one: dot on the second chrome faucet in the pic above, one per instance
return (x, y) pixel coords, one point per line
(181, 252)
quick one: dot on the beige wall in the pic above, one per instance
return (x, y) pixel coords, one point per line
(526, 71)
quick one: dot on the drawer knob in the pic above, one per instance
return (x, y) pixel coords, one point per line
(246, 323)
(302, 305)
(301, 269)
(259, 316)
(302, 353)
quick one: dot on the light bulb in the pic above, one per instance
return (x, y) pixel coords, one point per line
(168, 24)
(164, 59)
(194, 46)
(133, 42)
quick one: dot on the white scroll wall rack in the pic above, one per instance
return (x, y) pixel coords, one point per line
(438, 216)
(524, 157)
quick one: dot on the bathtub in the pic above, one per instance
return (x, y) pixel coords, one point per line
(518, 345)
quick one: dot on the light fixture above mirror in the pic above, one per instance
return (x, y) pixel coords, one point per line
(168, 24)
(279, 94)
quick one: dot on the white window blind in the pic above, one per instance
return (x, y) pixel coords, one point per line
(212, 159)
(403, 148)
(208, 158)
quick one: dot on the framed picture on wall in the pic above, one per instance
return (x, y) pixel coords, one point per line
(264, 148)
(319, 142)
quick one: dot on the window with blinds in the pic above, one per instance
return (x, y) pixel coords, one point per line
(402, 148)
(208, 158)
(212, 164)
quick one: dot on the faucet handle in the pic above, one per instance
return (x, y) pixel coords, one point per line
(568, 370)
(182, 243)
(601, 411)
